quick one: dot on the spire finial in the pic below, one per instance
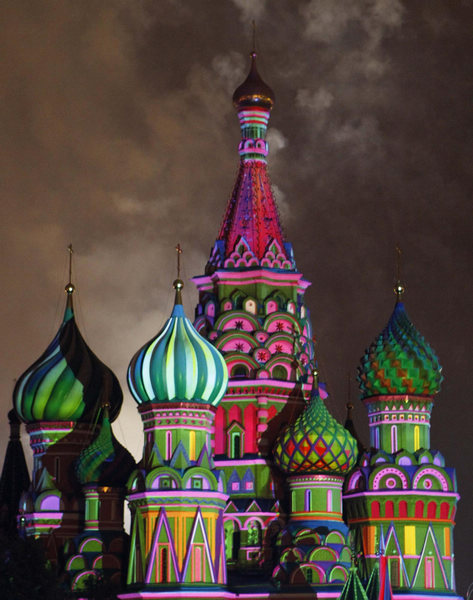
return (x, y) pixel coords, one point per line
(70, 287)
(178, 284)
(178, 253)
(399, 289)
(253, 50)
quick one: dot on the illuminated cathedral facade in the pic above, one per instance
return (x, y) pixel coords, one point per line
(248, 487)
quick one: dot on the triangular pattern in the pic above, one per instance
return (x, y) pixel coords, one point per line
(162, 524)
(199, 526)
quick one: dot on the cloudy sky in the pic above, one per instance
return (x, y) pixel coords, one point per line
(118, 135)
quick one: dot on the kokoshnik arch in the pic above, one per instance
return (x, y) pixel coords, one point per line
(248, 487)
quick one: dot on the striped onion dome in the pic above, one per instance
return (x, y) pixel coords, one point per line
(178, 365)
(67, 382)
(105, 462)
(399, 361)
(315, 443)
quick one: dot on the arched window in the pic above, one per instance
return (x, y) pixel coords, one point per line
(240, 371)
(419, 509)
(279, 372)
(389, 509)
(403, 508)
(375, 509)
(444, 510)
(307, 500)
(236, 445)
(376, 437)
(431, 510)
(329, 501)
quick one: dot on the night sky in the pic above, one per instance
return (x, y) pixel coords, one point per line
(119, 135)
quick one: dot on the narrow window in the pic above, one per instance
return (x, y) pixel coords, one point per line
(192, 445)
(307, 500)
(416, 438)
(395, 572)
(329, 501)
(394, 438)
(236, 444)
(376, 437)
(429, 572)
(197, 564)
(163, 571)
(168, 445)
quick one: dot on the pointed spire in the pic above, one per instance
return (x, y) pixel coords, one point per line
(350, 427)
(15, 478)
(251, 233)
(178, 284)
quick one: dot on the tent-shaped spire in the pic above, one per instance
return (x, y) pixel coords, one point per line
(15, 478)
(251, 219)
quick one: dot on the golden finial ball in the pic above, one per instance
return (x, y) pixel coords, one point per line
(178, 284)
(399, 289)
(69, 289)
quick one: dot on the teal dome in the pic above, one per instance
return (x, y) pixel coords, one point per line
(178, 365)
(67, 382)
(399, 361)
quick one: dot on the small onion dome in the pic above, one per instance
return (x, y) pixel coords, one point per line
(105, 462)
(399, 361)
(315, 443)
(68, 382)
(178, 365)
(253, 91)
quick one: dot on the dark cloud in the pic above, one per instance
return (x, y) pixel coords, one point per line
(119, 135)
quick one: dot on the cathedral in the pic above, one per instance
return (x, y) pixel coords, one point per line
(248, 488)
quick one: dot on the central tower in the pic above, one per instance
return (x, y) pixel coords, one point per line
(251, 307)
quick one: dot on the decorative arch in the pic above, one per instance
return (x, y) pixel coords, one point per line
(389, 477)
(427, 478)
(237, 319)
(282, 321)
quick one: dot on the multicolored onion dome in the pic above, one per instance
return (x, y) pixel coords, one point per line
(105, 462)
(399, 361)
(178, 365)
(68, 382)
(253, 91)
(315, 443)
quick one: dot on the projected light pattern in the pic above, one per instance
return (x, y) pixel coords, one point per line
(399, 361)
(68, 382)
(316, 443)
(178, 365)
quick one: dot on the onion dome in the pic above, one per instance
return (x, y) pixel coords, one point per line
(315, 443)
(178, 365)
(105, 462)
(399, 361)
(253, 91)
(68, 382)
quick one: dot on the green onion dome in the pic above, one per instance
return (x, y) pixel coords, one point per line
(399, 361)
(178, 365)
(105, 462)
(67, 382)
(315, 443)
(253, 92)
